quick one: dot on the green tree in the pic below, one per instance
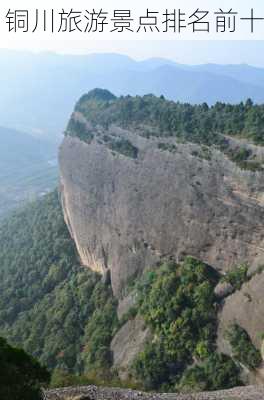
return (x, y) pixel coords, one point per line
(243, 349)
(217, 371)
(21, 377)
(178, 303)
(55, 309)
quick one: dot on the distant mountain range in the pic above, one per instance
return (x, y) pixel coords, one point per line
(38, 91)
(28, 168)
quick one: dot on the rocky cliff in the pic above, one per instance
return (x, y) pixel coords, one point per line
(136, 191)
(165, 201)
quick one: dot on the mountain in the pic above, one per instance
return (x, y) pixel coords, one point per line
(126, 138)
(28, 168)
(48, 85)
(147, 269)
(147, 182)
(244, 73)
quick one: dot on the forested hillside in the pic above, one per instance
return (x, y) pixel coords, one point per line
(58, 311)
(66, 316)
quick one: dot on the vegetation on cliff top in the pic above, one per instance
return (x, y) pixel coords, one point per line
(154, 116)
(159, 117)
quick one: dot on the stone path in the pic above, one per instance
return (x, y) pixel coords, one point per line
(98, 393)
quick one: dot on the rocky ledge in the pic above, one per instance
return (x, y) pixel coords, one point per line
(98, 393)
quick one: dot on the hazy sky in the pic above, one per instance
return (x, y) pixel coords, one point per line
(182, 51)
(189, 52)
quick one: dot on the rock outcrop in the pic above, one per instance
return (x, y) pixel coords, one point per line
(133, 198)
(97, 393)
(245, 307)
(127, 343)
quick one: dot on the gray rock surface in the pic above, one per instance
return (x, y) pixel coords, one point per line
(126, 214)
(125, 304)
(246, 308)
(223, 289)
(127, 343)
(97, 393)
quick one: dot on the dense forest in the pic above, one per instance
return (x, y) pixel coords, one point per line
(58, 311)
(151, 116)
(160, 117)
(178, 303)
(65, 315)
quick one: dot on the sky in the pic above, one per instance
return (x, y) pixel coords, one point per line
(227, 51)
(186, 52)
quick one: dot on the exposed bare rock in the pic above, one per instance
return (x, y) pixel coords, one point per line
(126, 214)
(160, 199)
(246, 308)
(96, 393)
(127, 343)
(223, 289)
(125, 304)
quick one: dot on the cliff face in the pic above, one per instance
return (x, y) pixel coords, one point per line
(245, 308)
(166, 201)
(137, 191)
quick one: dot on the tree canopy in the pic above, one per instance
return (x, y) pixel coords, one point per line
(157, 116)
(58, 311)
(21, 376)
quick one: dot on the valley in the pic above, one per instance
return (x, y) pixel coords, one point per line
(28, 169)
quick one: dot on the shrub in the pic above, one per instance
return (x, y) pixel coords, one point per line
(177, 302)
(123, 146)
(243, 349)
(237, 276)
(218, 371)
(167, 147)
(80, 130)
